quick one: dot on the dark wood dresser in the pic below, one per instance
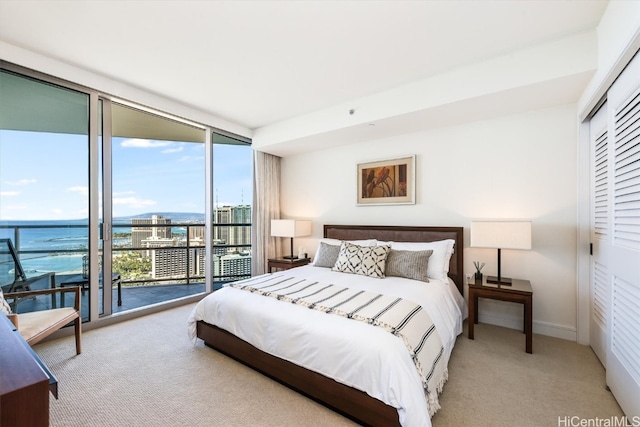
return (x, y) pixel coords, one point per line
(24, 381)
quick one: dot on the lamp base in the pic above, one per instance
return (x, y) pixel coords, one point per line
(290, 257)
(504, 281)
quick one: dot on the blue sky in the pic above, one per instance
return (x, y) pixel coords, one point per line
(45, 176)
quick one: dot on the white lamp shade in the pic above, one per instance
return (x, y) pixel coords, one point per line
(290, 228)
(501, 234)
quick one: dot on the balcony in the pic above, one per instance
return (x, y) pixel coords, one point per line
(154, 263)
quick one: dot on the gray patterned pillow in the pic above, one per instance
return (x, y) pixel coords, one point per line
(408, 264)
(4, 305)
(327, 255)
(364, 260)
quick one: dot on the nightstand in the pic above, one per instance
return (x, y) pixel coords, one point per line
(520, 292)
(285, 264)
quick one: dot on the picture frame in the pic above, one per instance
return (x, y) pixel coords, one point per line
(387, 182)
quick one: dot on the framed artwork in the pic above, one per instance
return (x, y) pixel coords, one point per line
(387, 182)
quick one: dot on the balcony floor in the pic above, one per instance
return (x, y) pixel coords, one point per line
(140, 296)
(132, 297)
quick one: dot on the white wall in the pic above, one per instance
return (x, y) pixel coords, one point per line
(519, 166)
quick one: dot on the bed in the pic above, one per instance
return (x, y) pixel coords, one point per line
(336, 376)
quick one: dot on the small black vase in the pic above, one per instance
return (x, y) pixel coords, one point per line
(478, 276)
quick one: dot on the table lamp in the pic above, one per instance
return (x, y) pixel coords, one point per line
(290, 228)
(501, 234)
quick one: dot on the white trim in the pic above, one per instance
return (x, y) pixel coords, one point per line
(208, 210)
(543, 328)
(557, 331)
(583, 214)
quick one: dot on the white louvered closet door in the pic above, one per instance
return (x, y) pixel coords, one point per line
(623, 355)
(599, 234)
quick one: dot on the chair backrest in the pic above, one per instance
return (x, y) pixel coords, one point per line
(10, 267)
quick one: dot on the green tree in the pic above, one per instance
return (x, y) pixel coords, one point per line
(132, 265)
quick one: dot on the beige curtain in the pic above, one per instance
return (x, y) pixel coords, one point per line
(266, 206)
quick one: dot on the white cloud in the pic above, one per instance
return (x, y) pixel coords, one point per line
(144, 143)
(173, 150)
(133, 202)
(22, 182)
(79, 189)
(190, 158)
(57, 212)
(122, 193)
(9, 193)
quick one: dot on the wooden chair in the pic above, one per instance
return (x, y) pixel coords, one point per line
(36, 325)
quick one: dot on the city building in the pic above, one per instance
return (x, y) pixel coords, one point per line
(169, 255)
(232, 266)
(235, 234)
(142, 229)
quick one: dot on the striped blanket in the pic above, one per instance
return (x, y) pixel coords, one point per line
(404, 319)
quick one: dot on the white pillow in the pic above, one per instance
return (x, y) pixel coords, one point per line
(364, 260)
(438, 261)
(336, 242)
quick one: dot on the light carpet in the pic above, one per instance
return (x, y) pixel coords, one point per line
(494, 382)
(146, 372)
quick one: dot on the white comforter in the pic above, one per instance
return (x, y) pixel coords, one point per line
(351, 352)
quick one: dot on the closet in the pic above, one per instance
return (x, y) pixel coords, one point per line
(614, 134)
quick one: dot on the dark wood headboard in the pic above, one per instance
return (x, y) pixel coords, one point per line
(407, 234)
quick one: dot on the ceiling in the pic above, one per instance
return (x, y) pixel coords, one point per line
(257, 63)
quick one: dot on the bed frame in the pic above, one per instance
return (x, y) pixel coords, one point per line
(345, 400)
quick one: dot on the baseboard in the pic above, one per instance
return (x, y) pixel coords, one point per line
(542, 328)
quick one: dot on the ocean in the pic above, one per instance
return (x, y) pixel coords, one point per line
(38, 235)
(51, 236)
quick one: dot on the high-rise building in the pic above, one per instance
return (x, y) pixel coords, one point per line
(170, 258)
(197, 232)
(234, 234)
(140, 229)
(172, 263)
(232, 266)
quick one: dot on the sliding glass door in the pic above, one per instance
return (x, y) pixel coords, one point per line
(44, 187)
(233, 193)
(135, 206)
(158, 198)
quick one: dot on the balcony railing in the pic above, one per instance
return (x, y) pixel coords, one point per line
(175, 251)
